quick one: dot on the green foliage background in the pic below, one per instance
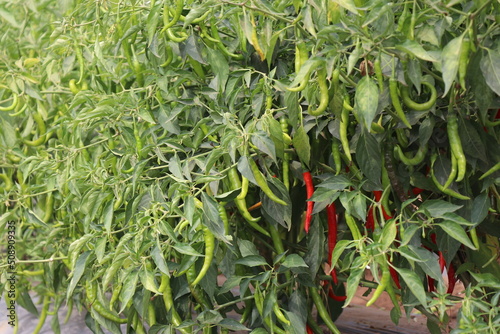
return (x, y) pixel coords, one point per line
(130, 115)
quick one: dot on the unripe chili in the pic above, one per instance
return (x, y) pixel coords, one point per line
(424, 106)
(415, 160)
(209, 254)
(393, 91)
(241, 204)
(13, 105)
(262, 183)
(323, 91)
(456, 145)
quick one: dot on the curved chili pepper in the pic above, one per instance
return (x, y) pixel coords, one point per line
(310, 204)
(333, 296)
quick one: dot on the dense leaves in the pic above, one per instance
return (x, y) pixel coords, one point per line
(146, 142)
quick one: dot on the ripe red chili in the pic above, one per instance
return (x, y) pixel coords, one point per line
(333, 296)
(309, 330)
(395, 277)
(310, 205)
(452, 280)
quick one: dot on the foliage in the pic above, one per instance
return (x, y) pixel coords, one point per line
(131, 128)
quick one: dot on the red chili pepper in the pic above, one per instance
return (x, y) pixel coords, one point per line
(310, 205)
(370, 219)
(395, 277)
(378, 197)
(309, 330)
(333, 296)
(332, 236)
(452, 280)
(430, 283)
(416, 191)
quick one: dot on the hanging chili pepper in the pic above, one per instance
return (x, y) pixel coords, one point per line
(332, 236)
(310, 205)
(452, 280)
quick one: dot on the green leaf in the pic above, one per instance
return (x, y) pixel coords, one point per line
(480, 208)
(336, 182)
(252, 261)
(108, 216)
(427, 261)
(414, 283)
(368, 157)
(220, 67)
(294, 261)
(339, 249)
(186, 249)
(232, 325)
(304, 71)
(209, 317)
(353, 283)
(490, 66)
(449, 62)
(388, 235)
(471, 141)
(348, 4)
(78, 271)
(301, 143)
(128, 289)
(148, 280)
(437, 207)
(264, 143)
(247, 248)
(415, 49)
(456, 232)
(159, 260)
(487, 280)
(366, 101)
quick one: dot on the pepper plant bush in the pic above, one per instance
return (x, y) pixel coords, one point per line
(154, 154)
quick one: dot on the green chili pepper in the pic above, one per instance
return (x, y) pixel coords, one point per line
(491, 171)
(378, 74)
(49, 207)
(15, 101)
(241, 204)
(43, 314)
(91, 290)
(424, 106)
(322, 311)
(453, 171)
(323, 91)
(220, 44)
(384, 282)
(415, 160)
(446, 191)
(344, 140)
(286, 156)
(279, 314)
(393, 91)
(456, 145)
(42, 136)
(463, 61)
(262, 183)
(337, 159)
(8, 183)
(179, 6)
(224, 217)
(209, 254)
(169, 302)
